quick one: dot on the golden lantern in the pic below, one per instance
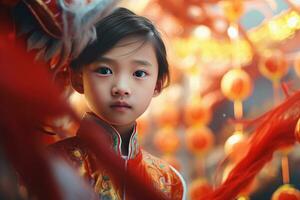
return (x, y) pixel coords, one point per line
(236, 84)
(199, 188)
(199, 139)
(173, 161)
(197, 113)
(274, 66)
(236, 146)
(286, 192)
(166, 140)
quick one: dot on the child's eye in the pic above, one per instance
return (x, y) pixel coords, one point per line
(140, 73)
(104, 70)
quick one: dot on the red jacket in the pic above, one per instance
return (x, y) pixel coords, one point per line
(155, 171)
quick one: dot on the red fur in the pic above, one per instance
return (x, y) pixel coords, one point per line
(27, 96)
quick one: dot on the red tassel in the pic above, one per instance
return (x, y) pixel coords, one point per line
(275, 131)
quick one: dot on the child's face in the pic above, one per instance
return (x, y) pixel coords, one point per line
(121, 83)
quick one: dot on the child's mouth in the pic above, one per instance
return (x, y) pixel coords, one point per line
(120, 106)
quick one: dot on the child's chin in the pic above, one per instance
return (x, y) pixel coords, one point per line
(120, 122)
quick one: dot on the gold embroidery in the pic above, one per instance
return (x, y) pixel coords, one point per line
(77, 153)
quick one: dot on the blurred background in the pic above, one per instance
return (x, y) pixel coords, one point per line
(229, 60)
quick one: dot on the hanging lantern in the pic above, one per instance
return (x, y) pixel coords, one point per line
(199, 188)
(166, 140)
(199, 139)
(173, 161)
(167, 116)
(274, 66)
(286, 192)
(236, 146)
(242, 198)
(197, 113)
(236, 84)
(297, 131)
(233, 9)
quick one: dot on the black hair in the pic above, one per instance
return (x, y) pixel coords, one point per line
(119, 24)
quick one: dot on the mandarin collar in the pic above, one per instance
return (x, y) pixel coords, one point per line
(116, 140)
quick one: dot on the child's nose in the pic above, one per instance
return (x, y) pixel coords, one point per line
(120, 89)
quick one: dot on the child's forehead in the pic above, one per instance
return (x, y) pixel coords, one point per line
(132, 45)
(130, 40)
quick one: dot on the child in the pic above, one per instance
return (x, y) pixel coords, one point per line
(118, 74)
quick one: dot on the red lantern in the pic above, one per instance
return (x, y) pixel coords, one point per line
(168, 116)
(286, 192)
(236, 84)
(199, 139)
(274, 66)
(197, 113)
(166, 140)
(199, 188)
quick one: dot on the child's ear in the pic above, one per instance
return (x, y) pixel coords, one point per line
(76, 80)
(157, 89)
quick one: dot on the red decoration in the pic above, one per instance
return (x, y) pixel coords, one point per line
(166, 140)
(198, 188)
(199, 139)
(274, 131)
(197, 113)
(236, 146)
(286, 192)
(274, 66)
(168, 116)
(236, 84)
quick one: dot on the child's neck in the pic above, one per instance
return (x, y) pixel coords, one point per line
(125, 133)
